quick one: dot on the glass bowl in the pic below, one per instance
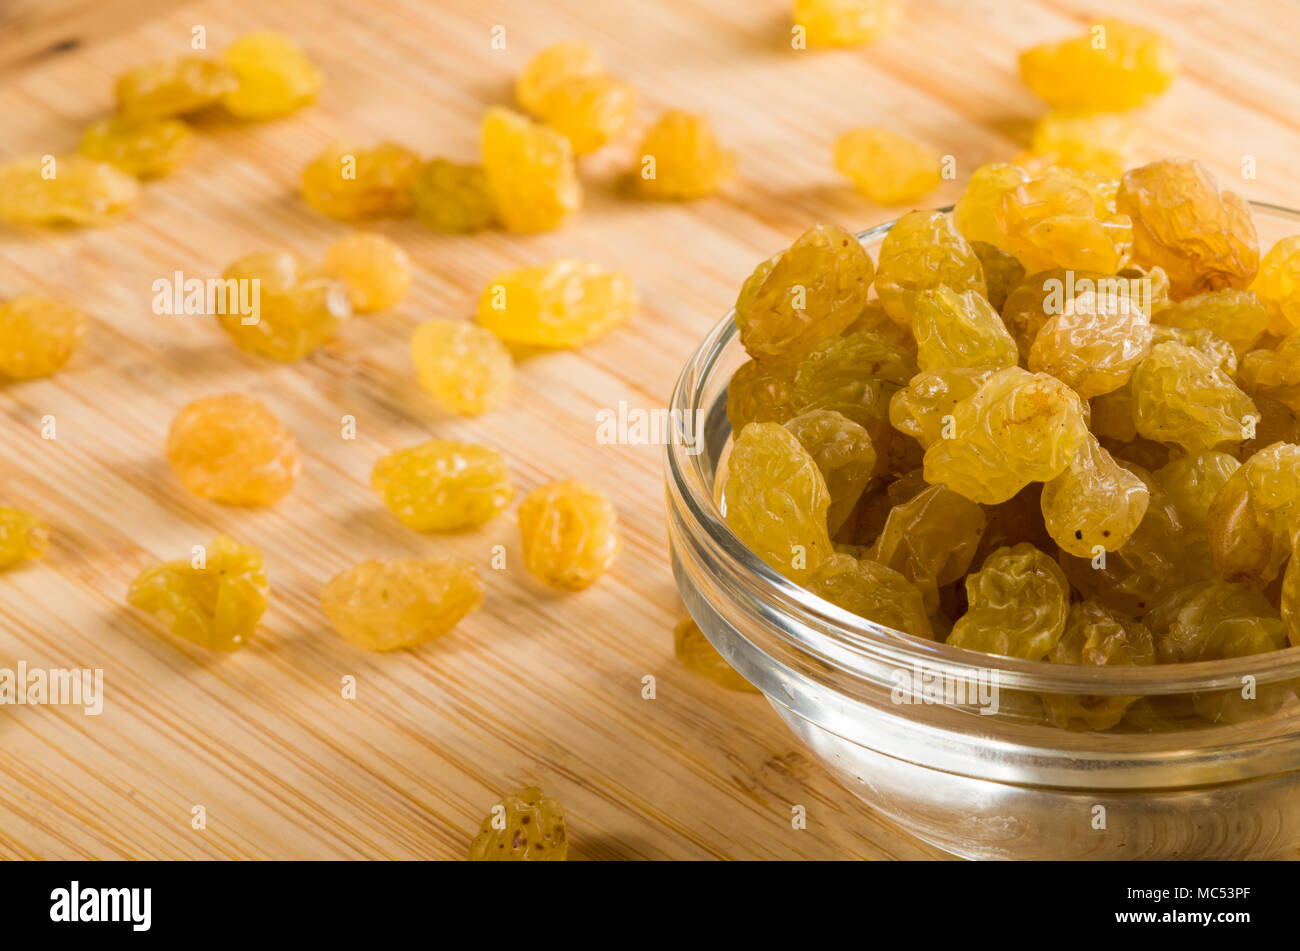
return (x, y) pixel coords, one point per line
(955, 746)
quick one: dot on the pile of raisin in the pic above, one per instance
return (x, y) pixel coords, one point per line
(1058, 424)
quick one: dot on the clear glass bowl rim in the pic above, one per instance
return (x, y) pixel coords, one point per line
(851, 636)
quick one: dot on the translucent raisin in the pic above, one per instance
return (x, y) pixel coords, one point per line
(1019, 427)
(348, 182)
(681, 159)
(1254, 520)
(695, 652)
(215, 600)
(872, 591)
(526, 826)
(845, 22)
(385, 605)
(273, 77)
(1114, 66)
(375, 269)
(443, 486)
(567, 88)
(811, 291)
(530, 172)
(23, 537)
(1181, 397)
(294, 310)
(776, 500)
(1018, 601)
(1095, 504)
(1094, 344)
(922, 251)
(955, 331)
(1236, 317)
(1064, 219)
(843, 452)
(37, 336)
(1202, 236)
(450, 197)
(565, 303)
(1097, 636)
(570, 534)
(232, 449)
(464, 366)
(1277, 284)
(172, 87)
(886, 167)
(759, 393)
(145, 148)
(71, 190)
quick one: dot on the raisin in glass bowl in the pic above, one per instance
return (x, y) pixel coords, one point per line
(973, 764)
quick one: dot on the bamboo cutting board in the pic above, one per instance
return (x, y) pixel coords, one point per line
(536, 687)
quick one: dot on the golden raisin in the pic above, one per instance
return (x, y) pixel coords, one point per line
(570, 534)
(388, 605)
(232, 449)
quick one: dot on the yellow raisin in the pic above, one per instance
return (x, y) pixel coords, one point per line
(886, 167)
(695, 652)
(566, 87)
(922, 251)
(530, 172)
(231, 449)
(570, 534)
(464, 366)
(375, 269)
(1114, 66)
(294, 308)
(450, 197)
(443, 486)
(145, 148)
(565, 303)
(385, 605)
(681, 159)
(872, 591)
(845, 22)
(23, 537)
(527, 826)
(1018, 604)
(1277, 284)
(69, 190)
(348, 182)
(273, 77)
(808, 293)
(215, 600)
(1097, 636)
(172, 87)
(37, 336)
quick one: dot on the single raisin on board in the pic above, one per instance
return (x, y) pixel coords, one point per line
(888, 168)
(567, 88)
(69, 190)
(174, 87)
(845, 22)
(443, 486)
(565, 303)
(681, 159)
(530, 172)
(569, 533)
(527, 826)
(375, 269)
(451, 197)
(696, 653)
(294, 309)
(215, 599)
(1112, 67)
(385, 605)
(145, 148)
(273, 77)
(465, 367)
(231, 449)
(345, 181)
(37, 336)
(23, 537)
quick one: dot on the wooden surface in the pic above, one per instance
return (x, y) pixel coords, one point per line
(536, 687)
